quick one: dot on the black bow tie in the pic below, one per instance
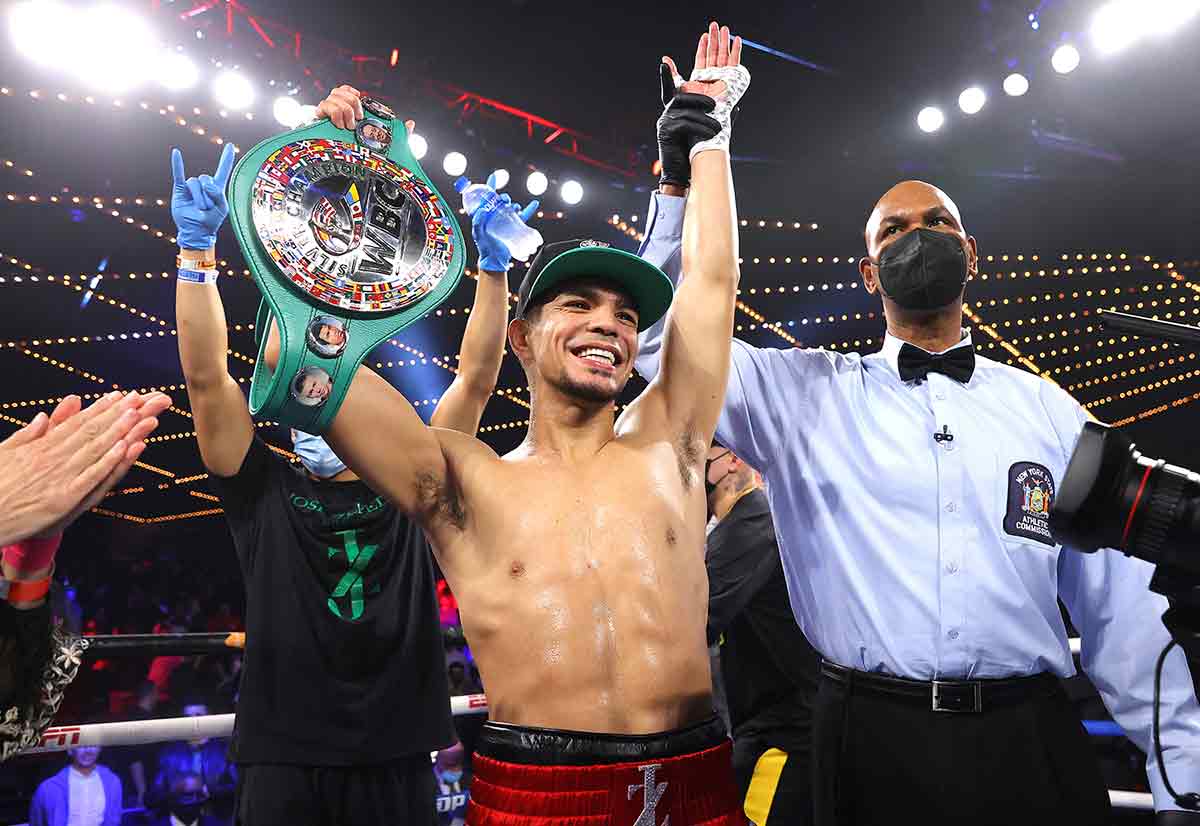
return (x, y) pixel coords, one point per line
(914, 363)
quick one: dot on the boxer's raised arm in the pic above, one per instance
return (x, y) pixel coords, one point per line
(379, 436)
(695, 362)
(224, 428)
(688, 391)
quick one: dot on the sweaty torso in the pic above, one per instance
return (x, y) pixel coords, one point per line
(582, 585)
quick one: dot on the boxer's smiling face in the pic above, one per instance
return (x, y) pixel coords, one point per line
(582, 340)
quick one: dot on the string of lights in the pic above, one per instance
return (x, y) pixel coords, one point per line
(1008, 346)
(1145, 388)
(124, 492)
(6, 164)
(1130, 372)
(494, 428)
(1154, 411)
(1109, 359)
(168, 111)
(99, 205)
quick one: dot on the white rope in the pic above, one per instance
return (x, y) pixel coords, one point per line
(136, 732)
(1131, 800)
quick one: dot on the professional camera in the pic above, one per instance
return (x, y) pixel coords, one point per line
(1112, 496)
(1115, 497)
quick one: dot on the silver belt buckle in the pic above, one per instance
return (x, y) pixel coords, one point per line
(976, 706)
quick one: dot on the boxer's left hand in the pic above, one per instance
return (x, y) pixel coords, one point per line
(198, 205)
(718, 73)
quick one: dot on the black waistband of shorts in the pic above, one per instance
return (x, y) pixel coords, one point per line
(944, 695)
(555, 747)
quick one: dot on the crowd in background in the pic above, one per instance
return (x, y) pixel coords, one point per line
(101, 596)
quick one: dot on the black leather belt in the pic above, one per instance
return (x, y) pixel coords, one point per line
(967, 696)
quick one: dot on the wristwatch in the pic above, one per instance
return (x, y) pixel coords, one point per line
(349, 243)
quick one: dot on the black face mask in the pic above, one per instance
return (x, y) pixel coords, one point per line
(188, 808)
(709, 487)
(924, 270)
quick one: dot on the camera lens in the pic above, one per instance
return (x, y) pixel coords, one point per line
(1114, 497)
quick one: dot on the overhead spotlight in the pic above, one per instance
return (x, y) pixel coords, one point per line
(1115, 26)
(500, 176)
(1016, 85)
(417, 145)
(37, 28)
(308, 113)
(537, 183)
(572, 192)
(116, 49)
(1065, 59)
(930, 119)
(454, 164)
(233, 90)
(1120, 23)
(176, 71)
(1167, 15)
(288, 111)
(972, 99)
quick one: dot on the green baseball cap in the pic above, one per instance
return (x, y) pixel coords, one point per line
(649, 286)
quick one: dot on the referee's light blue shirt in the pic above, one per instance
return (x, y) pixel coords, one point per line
(929, 558)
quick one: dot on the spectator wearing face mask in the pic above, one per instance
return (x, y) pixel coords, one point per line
(186, 803)
(452, 785)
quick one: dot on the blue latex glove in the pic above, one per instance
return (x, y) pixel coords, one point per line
(493, 253)
(198, 205)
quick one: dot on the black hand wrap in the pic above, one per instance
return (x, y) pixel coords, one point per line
(684, 123)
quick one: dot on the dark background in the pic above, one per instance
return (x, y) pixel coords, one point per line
(1095, 170)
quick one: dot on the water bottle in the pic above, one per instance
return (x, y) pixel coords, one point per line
(521, 239)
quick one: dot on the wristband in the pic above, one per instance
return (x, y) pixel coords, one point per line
(19, 590)
(198, 276)
(32, 554)
(195, 263)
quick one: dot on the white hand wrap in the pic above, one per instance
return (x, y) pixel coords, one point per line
(737, 81)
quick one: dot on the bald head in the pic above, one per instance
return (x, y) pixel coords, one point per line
(906, 205)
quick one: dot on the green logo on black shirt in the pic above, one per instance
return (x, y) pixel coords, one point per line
(350, 586)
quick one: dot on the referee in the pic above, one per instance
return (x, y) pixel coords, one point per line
(769, 670)
(911, 489)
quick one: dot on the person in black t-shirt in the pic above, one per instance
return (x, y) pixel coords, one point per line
(769, 669)
(343, 690)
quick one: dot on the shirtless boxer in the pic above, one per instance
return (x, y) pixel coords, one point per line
(575, 558)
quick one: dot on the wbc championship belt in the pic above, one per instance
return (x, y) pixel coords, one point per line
(349, 243)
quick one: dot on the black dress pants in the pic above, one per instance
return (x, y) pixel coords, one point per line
(776, 785)
(882, 759)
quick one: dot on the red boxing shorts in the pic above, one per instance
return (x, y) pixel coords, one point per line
(542, 777)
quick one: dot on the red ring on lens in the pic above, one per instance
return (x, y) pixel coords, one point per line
(1137, 499)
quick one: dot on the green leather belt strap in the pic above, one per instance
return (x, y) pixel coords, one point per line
(349, 243)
